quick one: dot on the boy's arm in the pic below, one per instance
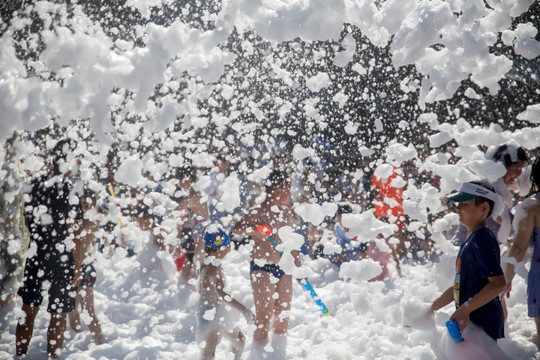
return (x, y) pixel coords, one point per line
(446, 298)
(236, 304)
(489, 292)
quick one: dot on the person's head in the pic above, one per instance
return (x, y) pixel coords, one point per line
(343, 209)
(535, 175)
(186, 175)
(514, 159)
(144, 214)
(278, 187)
(476, 201)
(88, 199)
(216, 241)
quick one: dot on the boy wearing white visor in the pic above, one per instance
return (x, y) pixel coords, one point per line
(479, 278)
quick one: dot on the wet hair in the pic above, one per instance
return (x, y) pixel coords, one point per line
(142, 210)
(222, 157)
(60, 152)
(535, 174)
(89, 196)
(211, 250)
(276, 179)
(509, 155)
(186, 172)
(480, 199)
(344, 209)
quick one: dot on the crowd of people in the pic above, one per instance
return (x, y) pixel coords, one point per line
(197, 220)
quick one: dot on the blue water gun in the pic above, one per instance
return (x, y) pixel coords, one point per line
(305, 283)
(453, 330)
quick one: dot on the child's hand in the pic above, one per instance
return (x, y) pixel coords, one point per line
(461, 315)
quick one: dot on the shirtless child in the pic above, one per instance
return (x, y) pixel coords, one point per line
(85, 290)
(272, 287)
(216, 319)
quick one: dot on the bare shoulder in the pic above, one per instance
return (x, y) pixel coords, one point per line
(528, 212)
(535, 209)
(531, 203)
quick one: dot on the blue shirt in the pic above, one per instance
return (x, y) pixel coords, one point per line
(479, 259)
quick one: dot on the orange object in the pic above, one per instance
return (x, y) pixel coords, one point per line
(265, 230)
(387, 191)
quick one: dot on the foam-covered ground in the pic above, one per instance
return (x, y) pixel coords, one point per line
(146, 313)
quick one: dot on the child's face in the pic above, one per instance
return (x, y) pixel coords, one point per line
(220, 252)
(513, 172)
(471, 214)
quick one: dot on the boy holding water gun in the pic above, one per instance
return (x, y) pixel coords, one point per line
(479, 277)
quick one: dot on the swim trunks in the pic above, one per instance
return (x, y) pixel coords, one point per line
(88, 275)
(273, 269)
(61, 292)
(187, 242)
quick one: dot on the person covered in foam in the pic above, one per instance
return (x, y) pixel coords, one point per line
(527, 226)
(217, 308)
